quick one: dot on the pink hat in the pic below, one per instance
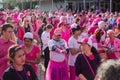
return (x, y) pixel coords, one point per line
(58, 31)
(86, 41)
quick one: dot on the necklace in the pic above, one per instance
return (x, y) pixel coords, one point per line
(19, 73)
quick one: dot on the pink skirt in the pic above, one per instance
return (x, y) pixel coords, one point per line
(57, 71)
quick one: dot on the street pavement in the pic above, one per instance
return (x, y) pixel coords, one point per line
(41, 73)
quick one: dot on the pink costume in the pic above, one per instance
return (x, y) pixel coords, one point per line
(32, 56)
(113, 45)
(57, 67)
(66, 34)
(4, 46)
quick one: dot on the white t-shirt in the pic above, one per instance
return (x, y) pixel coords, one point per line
(73, 43)
(45, 37)
(54, 55)
(70, 19)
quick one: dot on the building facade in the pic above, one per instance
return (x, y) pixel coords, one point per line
(113, 5)
(46, 5)
(94, 4)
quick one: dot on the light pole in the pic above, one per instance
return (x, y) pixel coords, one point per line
(84, 2)
(52, 4)
(65, 4)
(22, 4)
(110, 5)
(31, 4)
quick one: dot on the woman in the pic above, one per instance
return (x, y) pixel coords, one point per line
(18, 70)
(74, 48)
(18, 31)
(97, 42)
(65, 31)
(113, 45)
(45, 37)
(87, 62)
(57, 66)
(33, 23)
(27, 26)
(32, 51)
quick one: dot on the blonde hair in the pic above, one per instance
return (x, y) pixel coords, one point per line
(110, 31)
(101, 24)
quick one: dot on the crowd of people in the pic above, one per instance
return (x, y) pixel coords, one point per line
(74, 44)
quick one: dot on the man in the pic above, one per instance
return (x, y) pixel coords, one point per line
(5, 43)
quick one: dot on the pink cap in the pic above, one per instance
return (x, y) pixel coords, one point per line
(86, 41)
(58, 31)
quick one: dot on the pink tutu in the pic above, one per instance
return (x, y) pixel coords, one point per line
(57, 71)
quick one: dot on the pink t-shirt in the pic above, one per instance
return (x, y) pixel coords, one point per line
(96, 44)
(32, 56)
(92, 29)
(66, 34)
(115, 45)
(4, 46)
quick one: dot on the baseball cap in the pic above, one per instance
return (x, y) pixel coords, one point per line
(28, 35)
(58, 31)
(85, 41)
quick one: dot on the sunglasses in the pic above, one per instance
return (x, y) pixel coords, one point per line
(58, 35)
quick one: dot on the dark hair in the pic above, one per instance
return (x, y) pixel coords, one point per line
(8, 18)
(77, 20)
(75, 29)
(12, 51)
(48, 26)
(51, 20)
(94, 50)
(44, 20)
(5, 27)
(109, 70)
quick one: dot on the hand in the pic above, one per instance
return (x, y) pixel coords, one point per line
(63, 51)
(82, 77)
